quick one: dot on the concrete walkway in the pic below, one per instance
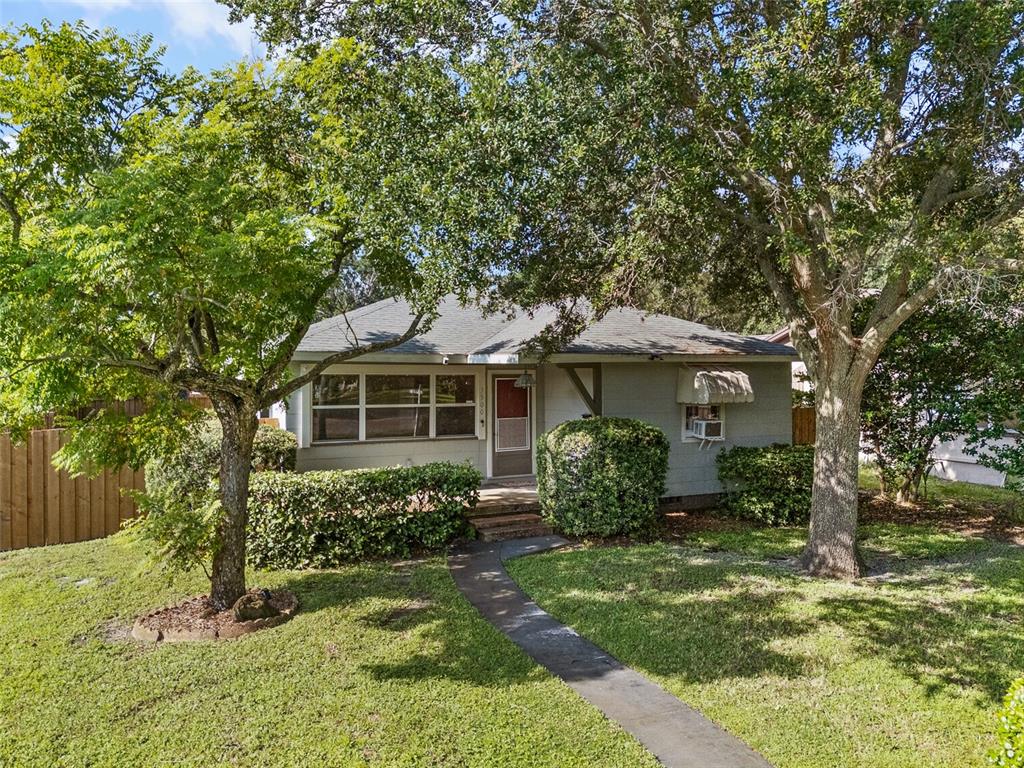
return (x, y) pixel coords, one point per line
(680, 737)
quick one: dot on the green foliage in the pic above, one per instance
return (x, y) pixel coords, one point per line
(771, 485)
(1010, 733)
(601, 476)
(180, 234)
(180, 508)
(953, 369)
(322, 519)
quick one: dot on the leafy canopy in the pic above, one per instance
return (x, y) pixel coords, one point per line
(953, 370)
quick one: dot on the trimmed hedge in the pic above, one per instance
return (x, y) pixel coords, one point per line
(1010, 732)
(322, 519)
(771, 485)
(601, 476)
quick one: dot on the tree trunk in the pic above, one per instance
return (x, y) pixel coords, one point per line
(227, 581)
(832, 541)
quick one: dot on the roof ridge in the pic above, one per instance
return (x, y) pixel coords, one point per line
(508, 324)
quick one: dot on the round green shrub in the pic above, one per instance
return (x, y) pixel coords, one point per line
(323, 519)
(771, 484)
(1010, 732)
(601, 476)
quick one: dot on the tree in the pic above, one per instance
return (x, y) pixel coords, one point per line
(952, 370)
(832, 147)
(197, 256)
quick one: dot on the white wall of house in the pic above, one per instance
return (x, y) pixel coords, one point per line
(642, 390)
(561, 400)
(647, 391)
(952, 463)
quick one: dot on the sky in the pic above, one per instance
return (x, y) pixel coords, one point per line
(195, 32)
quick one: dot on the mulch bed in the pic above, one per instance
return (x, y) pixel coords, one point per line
(986, 520)
(196, 619)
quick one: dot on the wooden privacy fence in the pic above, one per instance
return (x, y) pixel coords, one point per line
(803, 426)
(42, 505)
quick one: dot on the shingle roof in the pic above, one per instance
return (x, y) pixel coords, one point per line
(466, 331)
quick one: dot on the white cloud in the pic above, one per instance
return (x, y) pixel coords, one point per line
(205, 21)
(194, 22)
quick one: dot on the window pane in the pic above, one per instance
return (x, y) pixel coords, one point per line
(336, 390)
(456, 389)
(397, 422)
(460, 420)
(398, 390)
(336, 423)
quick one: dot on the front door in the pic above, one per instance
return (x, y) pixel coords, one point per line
(511, 438)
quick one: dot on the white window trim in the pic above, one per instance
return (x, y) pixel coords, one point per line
(400, 370)
(689, 437)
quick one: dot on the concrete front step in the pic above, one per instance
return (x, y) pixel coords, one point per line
(500, 510)
(520, 532)
(497, 521)
(505, 527)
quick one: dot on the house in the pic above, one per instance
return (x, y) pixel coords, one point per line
(464, 391)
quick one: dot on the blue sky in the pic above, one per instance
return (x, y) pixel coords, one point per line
(194, 32)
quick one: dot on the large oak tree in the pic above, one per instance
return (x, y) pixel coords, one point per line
(833, 148)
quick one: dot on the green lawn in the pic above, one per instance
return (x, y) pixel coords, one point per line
(939, 492)
(905, 669)
(383, 666)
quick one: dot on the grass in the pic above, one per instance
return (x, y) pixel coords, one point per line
(949, 492)
(385, 665)
(904, 670)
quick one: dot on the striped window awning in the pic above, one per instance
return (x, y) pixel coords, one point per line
(713, 386)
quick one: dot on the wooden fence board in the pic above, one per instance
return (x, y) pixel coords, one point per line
(19, 496)
(37, 489)
(98, 503)
(40, 504)
(803, 426)
(68, 502)
(83, 506)
(5, 493)
(51, 440)
(113, 505)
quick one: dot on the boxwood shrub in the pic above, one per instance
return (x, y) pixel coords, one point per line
(771, 485)
(322, 519)
(1010, 732)
(601, 476)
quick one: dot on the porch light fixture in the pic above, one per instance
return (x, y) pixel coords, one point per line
(525, 381)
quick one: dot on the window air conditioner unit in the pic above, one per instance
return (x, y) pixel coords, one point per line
(707, 429)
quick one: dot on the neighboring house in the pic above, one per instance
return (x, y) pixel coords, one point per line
(464, 392)
(801, 381)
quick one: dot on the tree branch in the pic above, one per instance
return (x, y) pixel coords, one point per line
(277, 394)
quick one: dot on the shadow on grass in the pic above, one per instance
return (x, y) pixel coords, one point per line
(965, 630)
(417, 607)
(697, 618)
(708, 617)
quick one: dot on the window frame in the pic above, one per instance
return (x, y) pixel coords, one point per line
(335, 407)
(432, 406)
(690, 437)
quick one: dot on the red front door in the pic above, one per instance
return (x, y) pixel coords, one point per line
(511, 440)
